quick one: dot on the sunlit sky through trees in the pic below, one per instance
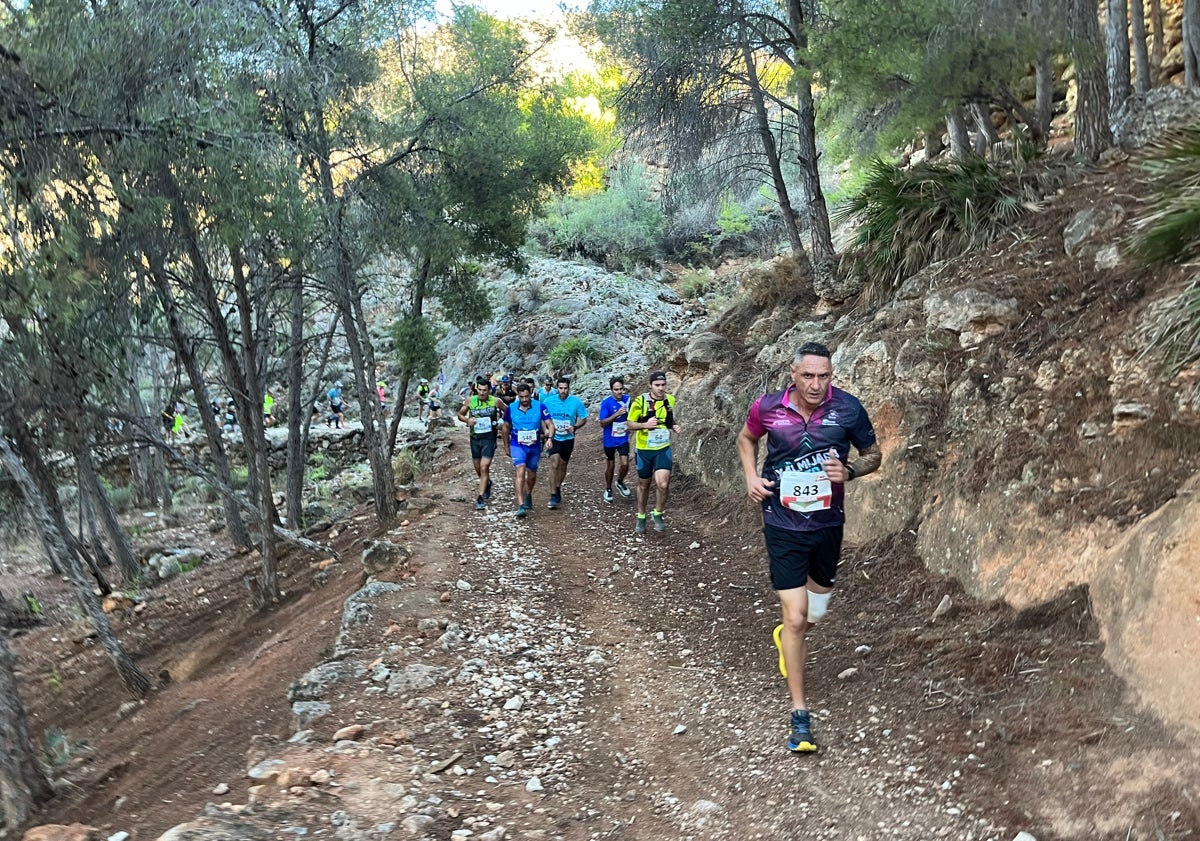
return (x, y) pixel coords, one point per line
(536, 9)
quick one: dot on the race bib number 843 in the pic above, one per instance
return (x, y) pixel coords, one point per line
(803, 491)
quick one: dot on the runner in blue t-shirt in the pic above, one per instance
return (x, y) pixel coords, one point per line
(526, 425)
(614, 413)
(337, 412)
(569, 416)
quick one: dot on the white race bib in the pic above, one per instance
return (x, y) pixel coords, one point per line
(561, 425)
(803, 491)
(618, 429)
(657, 438)
(525, 437)
(483, 425)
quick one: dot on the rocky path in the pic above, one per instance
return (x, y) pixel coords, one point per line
(561, 677)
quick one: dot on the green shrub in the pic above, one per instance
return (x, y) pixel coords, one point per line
(620, 226)
(1176, 329)
(239, 476)
(733, 219)
(406, 466)
(694, 284)
(1168, 231)
(909, 218)
(123, 498)
(576, 356)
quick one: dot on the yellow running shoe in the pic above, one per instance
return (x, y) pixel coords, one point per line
(776, 635)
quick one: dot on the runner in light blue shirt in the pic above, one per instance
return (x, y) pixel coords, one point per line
(569, 416)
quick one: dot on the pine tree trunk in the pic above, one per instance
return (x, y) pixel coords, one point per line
(1158, 43)
(254, 431)
(766, 139)
(131, 570)
(1116, 38)
(956, 128)
(50, 526)
(1092, 134)
(208, 422)
(1191, 43)
(1044, 86)
(824, 258)
(23, 785)
(415, 309)
(933, 144)
(348, 302)
(985, 133)
(1141, 57)
(298, 409)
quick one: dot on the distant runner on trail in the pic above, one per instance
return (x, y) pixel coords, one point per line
(337, 412)
(809, 426)
(423, 398)
(614, 413)
(482, 412)
(569, 416)
(526, 425)
(652, 417)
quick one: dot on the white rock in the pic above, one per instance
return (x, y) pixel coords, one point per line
(943, 607)
(463, 585)
(680, 728)
(694, 545)
(514, 703)
(221, 788)
(1024, 836)
(850, 672)
(863, 649)
(534, 784)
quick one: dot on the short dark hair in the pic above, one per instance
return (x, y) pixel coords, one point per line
(483, 381)
(616, 380)
(563, 379)
(655, 376)
(812, 349)
(523, 386)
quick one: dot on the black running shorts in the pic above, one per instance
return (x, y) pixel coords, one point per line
(797, 556)
(483, 446)
(611, 453)
(562, 449)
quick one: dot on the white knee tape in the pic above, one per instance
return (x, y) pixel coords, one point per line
(818, 603)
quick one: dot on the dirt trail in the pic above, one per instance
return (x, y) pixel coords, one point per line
(652, 707)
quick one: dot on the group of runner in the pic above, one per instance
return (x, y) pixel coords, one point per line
(809, 426)
(525, 426)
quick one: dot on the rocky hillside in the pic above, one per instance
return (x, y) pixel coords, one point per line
(627, 322)
(1031, 443)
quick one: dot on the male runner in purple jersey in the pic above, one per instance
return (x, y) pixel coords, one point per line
(810, 427)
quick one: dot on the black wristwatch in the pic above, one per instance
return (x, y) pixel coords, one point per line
(849, 472)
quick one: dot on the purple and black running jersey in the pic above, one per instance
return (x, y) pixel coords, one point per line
(793, 445)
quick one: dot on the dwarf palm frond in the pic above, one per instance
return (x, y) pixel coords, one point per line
(909, 218)
(1168, 231)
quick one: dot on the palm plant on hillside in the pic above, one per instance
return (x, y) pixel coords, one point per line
(1168, 231)
(909, 218)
